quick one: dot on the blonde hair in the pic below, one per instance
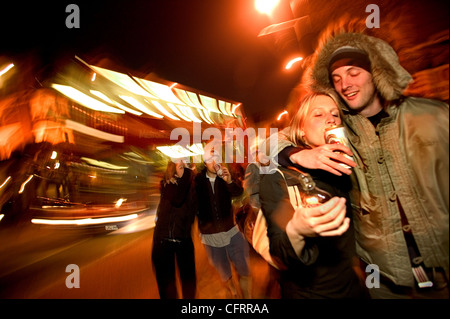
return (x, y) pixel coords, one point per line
(170, 171)
(304, 107)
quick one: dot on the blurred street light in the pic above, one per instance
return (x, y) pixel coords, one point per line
(6, 69)
(266, 6)
(281, 115)
(292, 62)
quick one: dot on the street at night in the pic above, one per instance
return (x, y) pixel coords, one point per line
(132, 131)
(112, 264)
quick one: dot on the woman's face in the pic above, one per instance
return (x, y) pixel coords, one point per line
(322, 114)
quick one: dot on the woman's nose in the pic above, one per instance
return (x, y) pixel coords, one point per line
(331, 119)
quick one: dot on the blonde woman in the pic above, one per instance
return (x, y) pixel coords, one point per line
(316, 245)
(172, 235)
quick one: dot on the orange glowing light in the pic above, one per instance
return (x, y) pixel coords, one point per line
(235, 106)
(22, 187)
(281, 115)
(266, 6)
(6, 69)
(84, 221)
(292, 62)
(5, 182)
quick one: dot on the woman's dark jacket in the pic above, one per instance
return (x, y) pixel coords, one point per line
(324, 269)
(176, 210)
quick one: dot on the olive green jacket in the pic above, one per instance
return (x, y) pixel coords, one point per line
(404, 161)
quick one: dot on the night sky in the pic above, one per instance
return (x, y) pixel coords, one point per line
(207, 45)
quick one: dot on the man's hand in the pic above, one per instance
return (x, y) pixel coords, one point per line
(326, 157)
(179, 168)
(226, 175)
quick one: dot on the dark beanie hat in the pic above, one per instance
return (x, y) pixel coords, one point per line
(348, 55)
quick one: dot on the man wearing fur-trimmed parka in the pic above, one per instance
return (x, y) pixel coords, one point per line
(400, 198)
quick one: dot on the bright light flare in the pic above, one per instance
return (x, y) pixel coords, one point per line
(6, 69)
(22, 187)
(141, 107)
(5, 182)
(84, 221)
(120, 202)
(235, 106)
(266, 6)
(84, 99)
(281, 115)
(292, 62)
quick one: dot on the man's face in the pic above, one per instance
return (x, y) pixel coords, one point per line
(356, 87)
(210, 161)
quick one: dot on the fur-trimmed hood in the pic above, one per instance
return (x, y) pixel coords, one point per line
(389, 77)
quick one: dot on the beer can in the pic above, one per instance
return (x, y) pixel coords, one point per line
(336, 135)
(219, 170)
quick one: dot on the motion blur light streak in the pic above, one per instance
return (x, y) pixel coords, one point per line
(235, 106)
(108, 100)
(119, 202)
(85, 100)
(163, 110)
(183, 95)
(22, 187)
(178, 112)
(93, 132)
(175, 151)
(140, 106)
(6, 69)
(209, 103)
(204, 114)
(292, 62)
(123, 81)
(281, 115)
(102, 96)
(103, 164)
(84, 221)
(120, 106)
(191, 115)
(160, 90)
(5, 182)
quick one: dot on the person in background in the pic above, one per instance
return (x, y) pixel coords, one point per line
(172, 238)
(223, 241)
(400, 196)
(317, 247)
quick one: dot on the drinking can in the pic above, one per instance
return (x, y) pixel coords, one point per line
(219, 170)
(336, 135)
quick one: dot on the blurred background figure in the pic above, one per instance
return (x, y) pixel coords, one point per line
(224, 243)
(172, 235)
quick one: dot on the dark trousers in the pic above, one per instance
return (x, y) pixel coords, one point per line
(164, 253)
